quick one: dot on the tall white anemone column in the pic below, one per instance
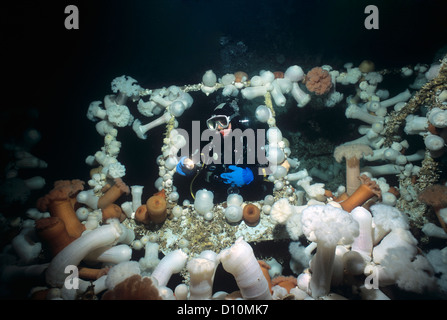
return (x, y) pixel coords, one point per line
(201, 271)
(240, 261)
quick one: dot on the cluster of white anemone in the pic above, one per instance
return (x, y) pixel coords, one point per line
(374, 243)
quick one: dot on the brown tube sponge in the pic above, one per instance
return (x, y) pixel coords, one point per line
(251, 215)
(156, 207)
(142, 215)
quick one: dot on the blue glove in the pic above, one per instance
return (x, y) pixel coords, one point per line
(238, 177)
(181, 167)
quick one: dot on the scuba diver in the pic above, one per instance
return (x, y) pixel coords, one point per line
(240, 175)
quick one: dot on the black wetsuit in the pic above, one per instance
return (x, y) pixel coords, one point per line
(209, 176)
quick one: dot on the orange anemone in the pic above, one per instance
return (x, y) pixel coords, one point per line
(59, 203)
(366, 191)
(241, 76)
(134, 287)
(53, 234)
(265, 271)
(278, 74)
(111, 195)
(286, 282)
(436, 197)
(92, 273)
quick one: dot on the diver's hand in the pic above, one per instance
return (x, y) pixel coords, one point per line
(239, 177)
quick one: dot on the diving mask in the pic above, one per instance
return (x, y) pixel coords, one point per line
(218, 122)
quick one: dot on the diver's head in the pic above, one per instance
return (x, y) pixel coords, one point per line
(222, 116)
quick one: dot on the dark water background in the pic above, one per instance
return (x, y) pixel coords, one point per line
(51, 74)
